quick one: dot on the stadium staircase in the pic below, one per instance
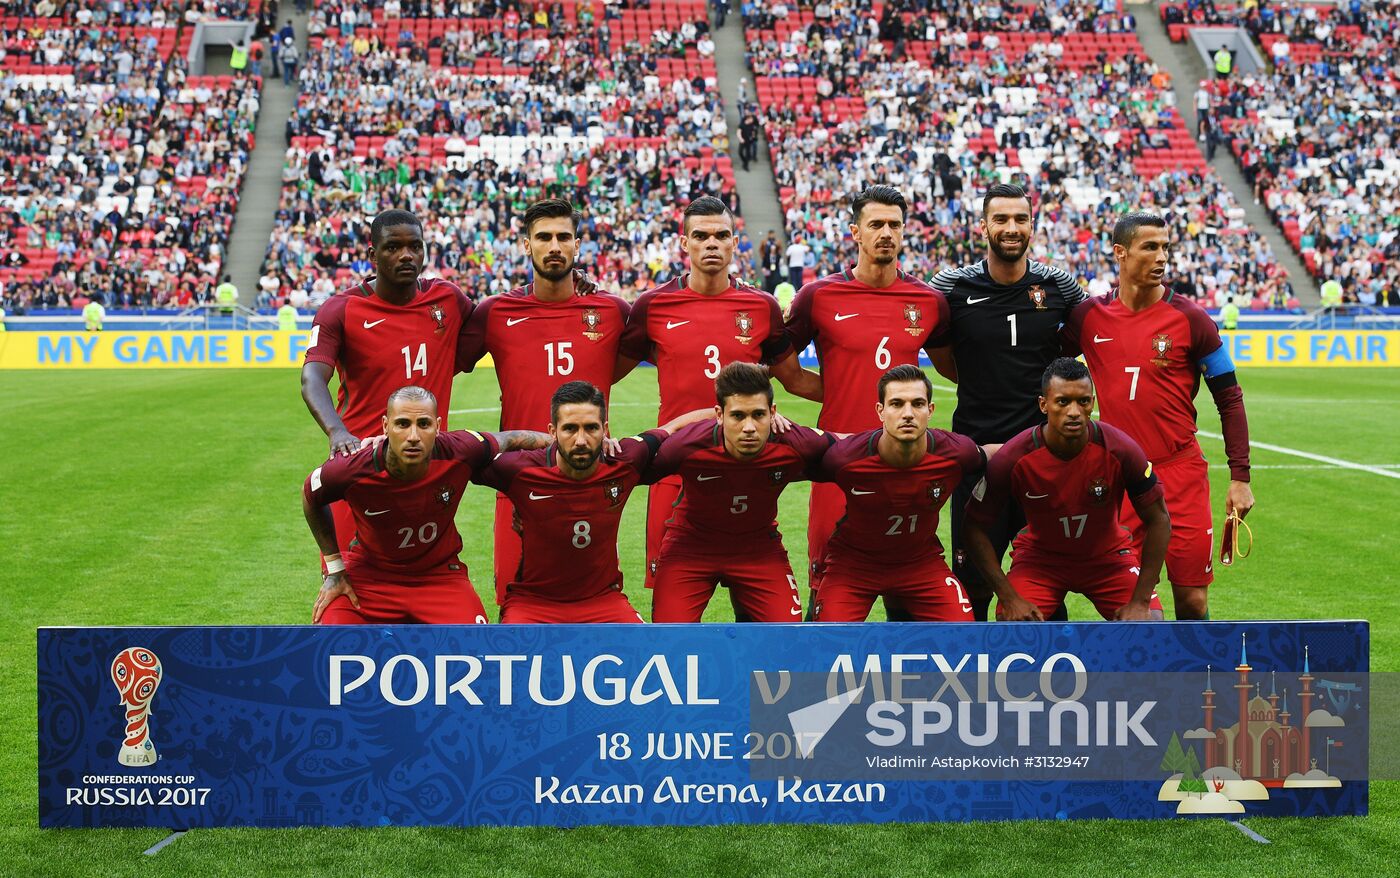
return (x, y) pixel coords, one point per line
(1186, 69)
(758, 192)
(262, 186)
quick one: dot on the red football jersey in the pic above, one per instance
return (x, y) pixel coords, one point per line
(729, 505)
(402, 529)
(376, 348)
(1071, 506)
(570, 539)
(892, 514)
(1146, 366)
(861, 333)
(537, 346)
(689, 337)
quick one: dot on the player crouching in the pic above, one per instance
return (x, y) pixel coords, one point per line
(1069, 477)
(402, 565)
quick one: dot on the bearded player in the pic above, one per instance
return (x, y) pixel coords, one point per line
(539, 336)
(723, 529)
(1007, 310)
(568, 500)
(1148, 349)
(1070, 476)
(695, 325)
(864, 321)
(402, 564)
(386, 331)
(895, 479)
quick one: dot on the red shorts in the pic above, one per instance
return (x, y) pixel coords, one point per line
(824, 509)
(449, 600)
(928, 592)
(661, 500)
(762, 587)
(507, 547)
(1044, 581)
(1186, 483)
(527, 609)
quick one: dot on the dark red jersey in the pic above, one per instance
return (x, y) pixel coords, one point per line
(690, 336)
(1071, 506)
(1147, 366)
(862, 332)
(377, 347)
(537, 346)
(892, 514)
(402, 529)
(727, 503)
(570, 538)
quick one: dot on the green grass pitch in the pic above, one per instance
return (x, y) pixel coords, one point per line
(172, 497)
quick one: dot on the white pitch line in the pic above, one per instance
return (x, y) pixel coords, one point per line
(1305, 466)
(1320, 458)
(1251, 834)
(156, 848)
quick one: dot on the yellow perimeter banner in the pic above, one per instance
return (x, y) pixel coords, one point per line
(155, 350)
(272, 349)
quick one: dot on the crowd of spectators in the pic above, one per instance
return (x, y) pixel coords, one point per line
(630, 130)
(118, 173)
(132, 13)
(989, 98)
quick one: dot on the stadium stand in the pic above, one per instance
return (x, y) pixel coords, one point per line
(943, 98)
(1316, 136)
(120, 173)
(467, 119)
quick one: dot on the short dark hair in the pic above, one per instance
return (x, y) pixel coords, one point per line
(1126, 229)
(879, 194)
(1005, 190)
(388, 219)
(411, 393)
(577, 393)
(550, 208)
(1066, 369)
(907, 372)
(705, 205)
(742, 379)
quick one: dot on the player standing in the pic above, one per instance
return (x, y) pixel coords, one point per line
(864, 321)
(695, 325)
(402, 564)
(1007, 310)
(1070, 476)
(540, 336)
(895, 480)
(569, 499)
(388, 330)
(723, 529)
(1147, 349)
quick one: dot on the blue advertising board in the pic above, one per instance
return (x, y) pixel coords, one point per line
(703, 724)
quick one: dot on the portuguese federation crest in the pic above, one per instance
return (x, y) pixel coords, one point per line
(935, 492)
(592, 324)
(613, 490)
(913, 313)
(1098, 491)
(743, 327)
(438, 315)
(1037, 296)
(1161, 343)
(445, 495)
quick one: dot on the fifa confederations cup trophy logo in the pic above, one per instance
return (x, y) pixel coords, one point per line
(136, 673)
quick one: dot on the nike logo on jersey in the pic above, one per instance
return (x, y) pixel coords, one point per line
(380, 512)
(534, 496)
(1098, 340)
(1030, 496)
(511, 321)
(707, 478)
(857, 492)
(972, 301)
(672, 324)
(840, 317)
(369, 325)
(796, 611)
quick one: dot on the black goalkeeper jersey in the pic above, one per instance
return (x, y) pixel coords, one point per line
(1004, 335)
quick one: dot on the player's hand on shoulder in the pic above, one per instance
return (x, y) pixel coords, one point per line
(1017, 609)
(343, 442)
(583, 284)
(333, 585)
(370, 440)
(780, 423)
(612, 446)
(1239, 499)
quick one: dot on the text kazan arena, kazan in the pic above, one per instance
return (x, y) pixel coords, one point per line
(696, 436)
